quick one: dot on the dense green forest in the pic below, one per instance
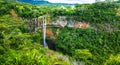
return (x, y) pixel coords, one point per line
(97, 45)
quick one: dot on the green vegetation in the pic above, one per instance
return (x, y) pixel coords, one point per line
(34, 54)
(19, 47)
(113, 60)
(97, 45)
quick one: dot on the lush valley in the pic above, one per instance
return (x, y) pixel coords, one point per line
(96, 44)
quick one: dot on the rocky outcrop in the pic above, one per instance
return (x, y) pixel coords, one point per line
(59, 23)
(50, 33)
(37, 23)
(13, 13)
(82, 25)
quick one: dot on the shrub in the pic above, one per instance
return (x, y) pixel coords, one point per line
(32, 56)
(82, 54)
(113, 60)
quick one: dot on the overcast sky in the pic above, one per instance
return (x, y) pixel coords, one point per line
(72, 1)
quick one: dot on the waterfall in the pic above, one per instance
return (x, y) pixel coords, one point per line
(44, 31)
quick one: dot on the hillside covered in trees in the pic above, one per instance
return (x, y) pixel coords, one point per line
(97, 44)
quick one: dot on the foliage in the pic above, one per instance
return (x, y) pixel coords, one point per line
(83, 55)
(93, 45)
(94, 13)
(113, 60)
(101, 44)
(32, 55)
(19, 47)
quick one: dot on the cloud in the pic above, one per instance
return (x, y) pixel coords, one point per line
(72, 1)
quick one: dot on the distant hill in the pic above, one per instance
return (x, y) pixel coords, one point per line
(36, 2)
(41, 2)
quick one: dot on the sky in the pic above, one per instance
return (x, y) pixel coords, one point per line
(72, 1)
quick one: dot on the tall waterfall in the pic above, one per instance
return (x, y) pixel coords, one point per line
(44, 31)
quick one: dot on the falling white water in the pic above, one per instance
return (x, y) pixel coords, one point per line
(44, 31)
